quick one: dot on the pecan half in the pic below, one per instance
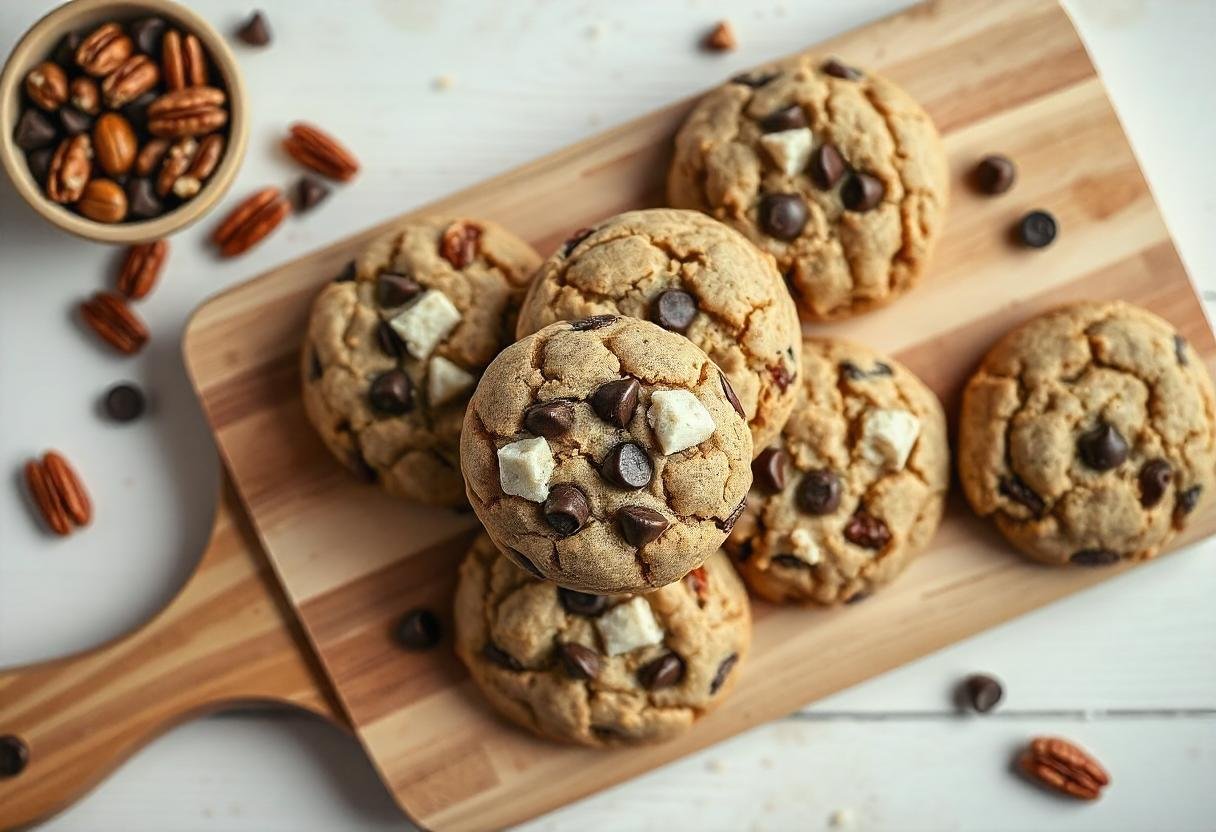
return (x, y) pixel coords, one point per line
(189, 112)
(114, 144)
(251, 222)
(315, 149)
(136, 76)
(177, 162)
(58, 493)
(109, 316)
(184, 61)
(459, 243)
(47, 86)
(141, 268)
(201, 166)
(70, 168)
(84, 95)
(150, 156)
(1062, 766)
(104, 50)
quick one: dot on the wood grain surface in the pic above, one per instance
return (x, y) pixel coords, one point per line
(1013, 78)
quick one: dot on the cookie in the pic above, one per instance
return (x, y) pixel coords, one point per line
(606, 455)
(688, 274)
(1089, 435)
(855, 486)
(600, 670)
(395, 347)
(836, 172)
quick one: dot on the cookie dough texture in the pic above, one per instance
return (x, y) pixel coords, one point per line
(841, 262)
(412, 454)
(1105, 384)
(703, 620)
(851, 428)
(744, 319)
(696, 492)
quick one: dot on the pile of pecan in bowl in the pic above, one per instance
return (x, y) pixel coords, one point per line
(125, 122)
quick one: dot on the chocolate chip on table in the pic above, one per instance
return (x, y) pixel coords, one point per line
(39, 162)
(500, 657)
(980, 692)
(867, 531)
(616, 401)
(862, 192)
(347, 275)
(395, 289)
(1154, 479)
(663, 672)
(418, 630)
(627, 465)
(574, 239)
(827, 166)
(34, 130)
(142, 199)
(1180, 349)
(14, 755)
(994, 174)
(674, 310)
(1188, 499)
(755, 80)
(389, 341)
(786, 118)
(723, 671)
(1094, 557)
(783, 216)
(819, 492)
(255, 31)
(74, 121)
(148, 32)
(392, 393)
(1037, 229)
(582, 603)
(837, 69)
(566, 509)
(641, 525)
(124, 402)
(579, 662)
(594, 322)
(768, 470)
(1102, 448)
(549, 419)
(729, 392)
(310, 192)
(1023, 494)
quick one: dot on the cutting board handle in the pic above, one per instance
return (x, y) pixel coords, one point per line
(226, 639)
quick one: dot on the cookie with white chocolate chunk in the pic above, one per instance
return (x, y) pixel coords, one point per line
(854, 488)
(606, 455)
(396, 343)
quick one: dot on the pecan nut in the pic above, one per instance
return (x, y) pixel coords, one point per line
(84, 95)
(109, 316)
(202, 165)
(188, 112)
(184, 61)
(150, 156)
(104, 50)
(58, 493)
(251, 222)
(459, 243)
(177, 162)
(70, 168)
(103, 200)
(136, 76)
(114, 144)
(315, 149)
(47, 86)
(141, 268)
(1062, 766)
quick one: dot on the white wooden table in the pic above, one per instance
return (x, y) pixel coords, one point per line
(1128, 669)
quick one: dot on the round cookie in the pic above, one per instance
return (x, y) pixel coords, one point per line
(595, 669)
(396, 343)
(606, 454)
(688, 274)
(1088, 434)
(855, 486)
(837, 173)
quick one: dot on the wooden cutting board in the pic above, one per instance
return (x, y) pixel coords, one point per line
(1005, 77)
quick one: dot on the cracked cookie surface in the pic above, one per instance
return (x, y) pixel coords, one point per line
(689, 274)
(605, 454)
(855, 486)
(1088, 434)
(837, 173)
(555, 661)
(388, 401)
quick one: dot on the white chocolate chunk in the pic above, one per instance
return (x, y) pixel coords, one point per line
(628, 626)
(887, 437)
(804, 546)
(524, 468)
(679, 420)
(446, 380)
(789, 149)
(426, 322)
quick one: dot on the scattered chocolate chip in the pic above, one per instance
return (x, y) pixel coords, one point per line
(566, 509)
(579, 662)
(787, 118)
(857, 597)
(255, 31)
(549, 419)
(1188, 499)
(14, 755)
(594, 322)
(862, 192)
(310, 191)
(148, 32)
(724, 669)
(837, 69)
(994, 174)
(674, 310)
(1095, 557)
(789, 561)
(574, 239)
(663, 672)
(33, 130)
(65, 52)
(389, 341)
(729, 392)
(641, 525)
(980, 692)
(827, 166)
(74, 121)
(493, 653)
(1102, 448)
(616, 401)
(363, 472)
(728, 524)
(768, 470)
(627, 465)
(526, 563)
(142, 201)
(1180, 349)
(867, 531)
(347, 275)
(394, 290)
(137, 112)
(1037, 229)
(124, 402)
(40, 164)
(819, 492)
(582, 603)
(418, 630)
(392, 393)
(755, 80)
(783, 216)
(1154, 479)
(1020, 492)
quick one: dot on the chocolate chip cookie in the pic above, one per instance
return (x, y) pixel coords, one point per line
(835, 171)
(1088, 434)
(600, 670)
(688, 274)
(855, 486)
(396, 343)
(606, 455)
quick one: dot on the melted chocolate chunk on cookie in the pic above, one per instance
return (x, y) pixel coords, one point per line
(723, 672)
(1188, 499)
(566, 509)
(867, 531)
(729, 392)
(786, 118)
(392, 393)
(594, 322)
(837, 69)
(550, 419)
(1154, 479)
(641, 525)
(627, 465)
(394, 289)
(1023, 494)
(783, 216)
(755, 80)
(495, 654)
(827, 166)
(582, 603)
(854, 373)
(663, 672)
(768, 470)
(389, 341)
(674, 310)
(862, 192)
(580, 663)
(1102, 448)
(819, 492)
(616, 401)
(1095, 557)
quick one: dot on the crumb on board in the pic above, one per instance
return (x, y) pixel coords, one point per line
(842, 819)
(721, 38)
(443, 82)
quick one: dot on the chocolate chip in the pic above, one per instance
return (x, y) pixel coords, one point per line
(994, 174)
(1021, 493)
(781, 376)
(394, 289)
(862, 192)
(768, 470)
(310, 192)
(819, 492)
(389, 341)
(142, 201)
(1154, 479)
(641, 525)
(1179, 348)
(616, 401)
(582, 603)
(787, 118)
(827, 166)
(33, 130)
(854, 373)
(549, 419)
(594, 322)
(755, 80)
(14, 755)
(493, 653)
(65, 52)
(575, 238)
(1037, 229)
(579, 662)
(392, 393)
(1102, 448)
(74, 121)
(1095, 557)
(1188, 499)
(525, 562)
(137, 112)
(783, 216)
(40, 164)
(347, 275)
(867, 531)
(728, 524)
(566, 509)
(418, 630)
(255, 31)
(148, 32)
(836, 69)
(724, 669)
(789, 561)
(674, 310)
(729, 392)
(627, 465)
(124, 402)
(980, 692)
(663, 672)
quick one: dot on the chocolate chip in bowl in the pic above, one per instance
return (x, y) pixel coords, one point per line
(91, 100)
